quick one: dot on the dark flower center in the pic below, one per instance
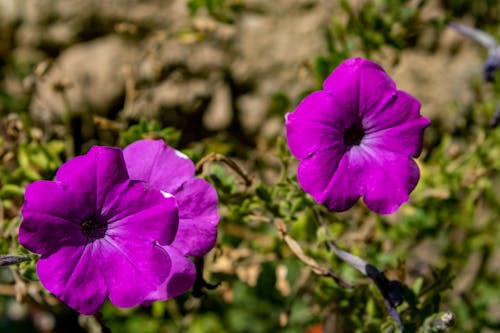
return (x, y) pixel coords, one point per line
(354, 135)
(94, 228)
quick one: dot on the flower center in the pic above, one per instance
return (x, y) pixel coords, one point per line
(354, 135)
(94, 228)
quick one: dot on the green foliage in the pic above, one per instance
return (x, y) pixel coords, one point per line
(150, 130)
(486, 11)
(11, 103)
(370, 27)
(222, 10)
(443, 245)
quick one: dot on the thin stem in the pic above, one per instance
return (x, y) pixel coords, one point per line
(299, 252)
(7, 259)
(347, 257)
(230, 163)
(391, 290)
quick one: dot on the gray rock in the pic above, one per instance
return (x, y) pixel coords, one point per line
(220, 112)
(93, 77)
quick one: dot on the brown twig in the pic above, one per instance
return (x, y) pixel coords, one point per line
(297, 250)
(107, 124)
(230, 163)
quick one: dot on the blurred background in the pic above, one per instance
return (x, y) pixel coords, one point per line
(219, 76)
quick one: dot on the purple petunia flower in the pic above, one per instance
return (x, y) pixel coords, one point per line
(356, 138)
(98, 232)
(172, 172)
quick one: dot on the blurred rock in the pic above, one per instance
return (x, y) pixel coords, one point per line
(52, 24)
(165, 55)
(179, 79)
(179, 101)
(184, 66)
(272, 128)
(253, 111)
(181, 94)
(276, 41)
(416, 75)
(179, 63)
(440, 94)
(10, 11)
(91, 74)
(220, 112)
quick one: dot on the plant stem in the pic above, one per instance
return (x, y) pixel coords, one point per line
(391, 290)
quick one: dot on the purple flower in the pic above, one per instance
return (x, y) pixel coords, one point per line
(98, 232)
(172, 172)
(356, 138)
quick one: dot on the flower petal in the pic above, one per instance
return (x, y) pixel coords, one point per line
(132, 267)
(135, 263)
(316, 172)
(156, 163)
(388, 179)
(94, 173)
(180, 279)
(384, 179)
(74, 276)
(198, 217)
(363, 83)
(139, 211)
(51, 215)
(383, 128)
(345, 73)
(317, 123)
(406, 139)
(402, 109)
(342, 188)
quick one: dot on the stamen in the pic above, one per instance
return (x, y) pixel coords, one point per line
(94, 228)
(354, 135)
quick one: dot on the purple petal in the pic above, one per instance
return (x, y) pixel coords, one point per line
(383, 129)
(132, 266)
(180, 279)
(405, 139)
(347, 71)
(94, 173)
(156, 163)
(74, 276)
(402, 109)
(375, 92)
(51, 216)
(388, 179)
(382, 177)
(198, 218)
(316, 172)
(316, 124)
(138, 211)
(135, 264)
(340, 189)
(379, 105)
(363, 82)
